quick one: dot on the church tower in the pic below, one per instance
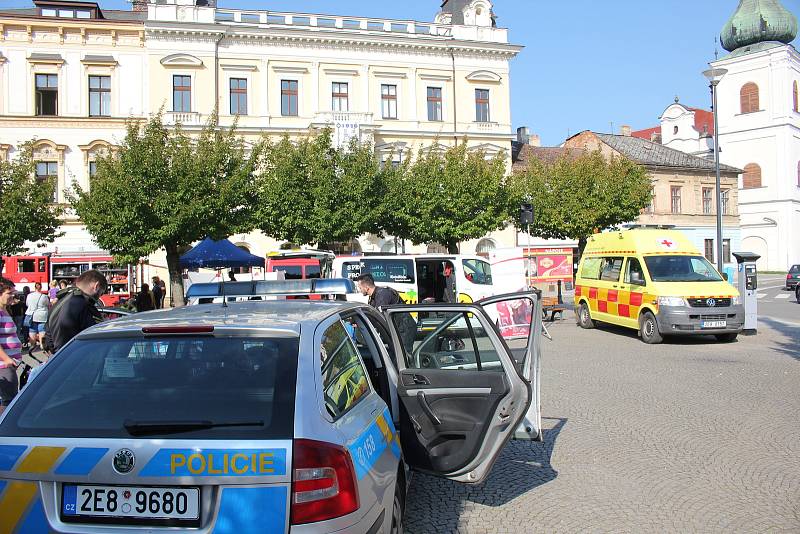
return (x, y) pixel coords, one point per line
(759, 127)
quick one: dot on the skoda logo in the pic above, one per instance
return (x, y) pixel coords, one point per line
(124, 460)
(711, 303)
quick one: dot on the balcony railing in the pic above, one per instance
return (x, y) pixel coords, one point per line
(185, 118)
(324, 22)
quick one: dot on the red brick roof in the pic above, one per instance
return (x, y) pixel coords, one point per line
(546, 154)
(647, 133)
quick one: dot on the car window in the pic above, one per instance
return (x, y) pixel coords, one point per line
(477, 271)
(351, 269)
(795, 269)
(95, 386)
(313, 271)
(396, 271)
(610, 269)
(591, 268)
(450, 340)
(673, 268)
(292, 272)
(634, 273)
(344, 380)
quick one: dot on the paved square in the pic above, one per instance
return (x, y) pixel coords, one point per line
(688, 436)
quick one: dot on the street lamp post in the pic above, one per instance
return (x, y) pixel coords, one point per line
(714, 77)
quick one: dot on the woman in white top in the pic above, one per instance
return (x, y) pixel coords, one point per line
(36, 316)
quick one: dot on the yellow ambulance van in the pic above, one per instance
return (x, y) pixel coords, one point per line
(655, 281)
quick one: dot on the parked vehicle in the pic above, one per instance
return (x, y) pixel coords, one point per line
(270, 416)
(419, 278)
(657, 282)
(793, 277)
(301, 264)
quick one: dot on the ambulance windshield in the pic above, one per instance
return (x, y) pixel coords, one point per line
(180, 387)
(665, 268)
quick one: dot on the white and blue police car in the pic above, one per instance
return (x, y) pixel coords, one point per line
(274, 416)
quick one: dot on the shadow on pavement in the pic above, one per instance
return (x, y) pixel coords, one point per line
(436, 504)
(687, 340)
(791, 345)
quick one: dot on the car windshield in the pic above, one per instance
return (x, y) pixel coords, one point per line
(795, 269)
(191, 387)
(681, 269)
(477, 271)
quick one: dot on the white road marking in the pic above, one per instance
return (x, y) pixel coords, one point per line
(784, 296)
(762, 295)
(773, 287)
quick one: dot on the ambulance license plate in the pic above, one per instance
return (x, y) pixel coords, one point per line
(130, 502)
(714, 324)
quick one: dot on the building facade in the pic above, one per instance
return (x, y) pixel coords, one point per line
(683, 189)
(683, 128)
(399, 84)
(759, 127)
(70, 76)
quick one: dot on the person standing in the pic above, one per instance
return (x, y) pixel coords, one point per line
(17, 311)
(10, 347)
(23, 331)
(38, 305)
(449, 294)
(144, 299)
(387, 296)
(76, 309)
(158, 293)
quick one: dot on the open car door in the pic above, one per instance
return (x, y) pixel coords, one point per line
(462, 395)
(518, 317)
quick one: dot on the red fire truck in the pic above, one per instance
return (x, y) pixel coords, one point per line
(27, 270)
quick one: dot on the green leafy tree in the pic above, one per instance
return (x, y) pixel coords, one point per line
(312, 192)
(572, 197)
(446, 197)
(27, 212)
(166, 189)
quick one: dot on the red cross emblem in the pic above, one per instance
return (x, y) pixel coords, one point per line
(667, 243)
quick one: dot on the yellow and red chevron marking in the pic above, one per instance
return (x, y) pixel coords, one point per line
(18, 496)
(612, 301)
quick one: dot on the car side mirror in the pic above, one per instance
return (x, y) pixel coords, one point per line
(725, 276)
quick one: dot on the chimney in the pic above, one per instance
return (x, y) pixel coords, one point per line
(140, 5)
(625, 130)
(535, 140)
(523, 135)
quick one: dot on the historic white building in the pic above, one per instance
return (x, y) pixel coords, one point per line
(70, 75)
(683, 128)
(72, 72)
(759, 127)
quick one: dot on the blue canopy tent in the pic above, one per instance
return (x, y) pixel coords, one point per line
(210, 254)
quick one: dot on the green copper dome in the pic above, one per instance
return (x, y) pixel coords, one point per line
(759, 21)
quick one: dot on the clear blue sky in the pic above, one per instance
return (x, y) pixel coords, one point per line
(586, 63)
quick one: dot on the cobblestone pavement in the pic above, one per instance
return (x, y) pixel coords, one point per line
(688, 436)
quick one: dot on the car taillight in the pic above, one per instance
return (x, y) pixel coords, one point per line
(323, 483)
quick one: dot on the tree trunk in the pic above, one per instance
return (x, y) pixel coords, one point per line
(581, 246)
(2, 264)
(452, 247)
(175, 276)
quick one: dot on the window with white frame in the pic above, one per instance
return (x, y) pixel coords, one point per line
(675, 194)
(47, 171)
(340, 97)
(724, 197)
(99, 96)
(46, 95)
(434, 104)
(707, 201)
(389, 101)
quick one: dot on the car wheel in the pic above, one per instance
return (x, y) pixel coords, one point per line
(585, 316)
(727, 338)
(648, 329)
(397, 510)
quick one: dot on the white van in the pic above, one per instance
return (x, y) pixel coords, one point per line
(420, 277)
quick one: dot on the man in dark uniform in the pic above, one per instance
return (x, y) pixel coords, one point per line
(386, 296)
(449, 294)
(75, 310)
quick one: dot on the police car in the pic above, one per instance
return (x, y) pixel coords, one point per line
(272, 416)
